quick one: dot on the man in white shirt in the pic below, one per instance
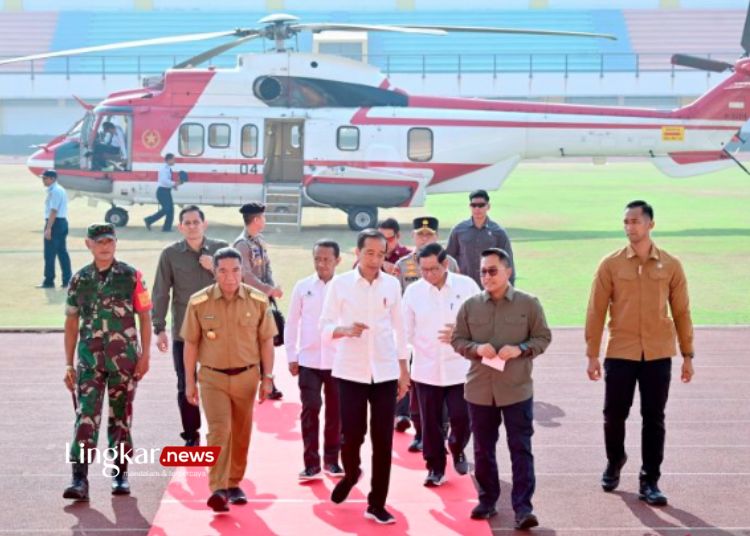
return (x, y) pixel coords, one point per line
(311, 361)
(362, 309)
(430, 306)
(164, 186)
(55, 231)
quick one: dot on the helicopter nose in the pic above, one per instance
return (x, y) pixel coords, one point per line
(40, 160)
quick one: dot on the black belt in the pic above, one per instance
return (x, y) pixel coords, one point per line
(230, 371)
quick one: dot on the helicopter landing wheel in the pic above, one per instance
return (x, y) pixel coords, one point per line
(362, 218)
(117, 216)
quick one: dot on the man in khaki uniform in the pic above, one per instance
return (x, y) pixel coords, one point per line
(229, 330)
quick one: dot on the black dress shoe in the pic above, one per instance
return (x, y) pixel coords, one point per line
(275, 394)
(402, 423)
(611, 475)
(236, 496)
(434, 479)
(483, 511)
(343, 487)
(460, 464)
(379, 515)
(120, 484)
(415, 445)
(79, 486)
(218, 501)
(652, 494)
(147, 224)
(193, 441)
(526, 521)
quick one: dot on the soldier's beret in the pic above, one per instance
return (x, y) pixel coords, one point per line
(97, 231)
(253, 208)
(426, 223)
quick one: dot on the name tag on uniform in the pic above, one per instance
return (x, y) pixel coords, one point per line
(209, 317)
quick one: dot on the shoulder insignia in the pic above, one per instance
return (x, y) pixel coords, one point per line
(257, 295)
(198, 298)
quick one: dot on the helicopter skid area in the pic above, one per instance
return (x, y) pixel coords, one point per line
(706, 472)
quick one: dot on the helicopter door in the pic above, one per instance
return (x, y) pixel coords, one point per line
(283, 151)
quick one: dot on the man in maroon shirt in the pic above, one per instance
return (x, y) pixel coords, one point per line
(394, 249)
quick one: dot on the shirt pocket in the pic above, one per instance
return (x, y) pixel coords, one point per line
(211, 328)
(480, 328)
(659, 283)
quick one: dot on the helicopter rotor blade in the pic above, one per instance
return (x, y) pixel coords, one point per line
(516, 31)
(209, 54)
(187, 38)
(328, 26)
(702, 64)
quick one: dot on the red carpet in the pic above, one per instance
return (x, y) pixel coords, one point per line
(279, 504)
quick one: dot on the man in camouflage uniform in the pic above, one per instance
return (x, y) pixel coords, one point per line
(407, 271)
(256, 265)
(103, 301)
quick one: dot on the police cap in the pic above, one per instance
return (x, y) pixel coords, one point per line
(99, 231)
(426, 223)
(252, 208)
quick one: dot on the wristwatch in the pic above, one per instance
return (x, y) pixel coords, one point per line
(690, 355)
(268, 376)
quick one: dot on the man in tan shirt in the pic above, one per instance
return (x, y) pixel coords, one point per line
(636, 284)
(229, 330)
(501, 331)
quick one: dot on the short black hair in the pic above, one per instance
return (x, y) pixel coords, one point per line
(390, 223)
(500, 254)
(191, 208)
(647, 209)
(433, 249)
(480, 193)
(369, 233)
(226, 253)
(168, 156)
(108, 124)
(327, 243)
(50, 174)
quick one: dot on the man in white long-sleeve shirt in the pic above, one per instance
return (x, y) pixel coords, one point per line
(362, 309)
(311, 360)
(430, 306)
(164, 186)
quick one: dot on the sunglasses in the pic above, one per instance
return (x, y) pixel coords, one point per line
(477, 205)
(492, 272)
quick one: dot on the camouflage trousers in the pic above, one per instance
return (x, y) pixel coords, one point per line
(120, 388)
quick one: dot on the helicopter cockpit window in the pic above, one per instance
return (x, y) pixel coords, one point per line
(191, 139)
(110, 150)
(347, 138)
(219, 135)
(419, 145)
(249, 145)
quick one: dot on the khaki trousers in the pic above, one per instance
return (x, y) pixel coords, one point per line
(228, 403)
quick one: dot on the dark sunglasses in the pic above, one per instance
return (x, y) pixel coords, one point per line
(492, 272)
(477, 205)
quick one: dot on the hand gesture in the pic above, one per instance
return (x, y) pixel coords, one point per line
(508, 352)
(487, 351)
(446, 334)
(207, 262)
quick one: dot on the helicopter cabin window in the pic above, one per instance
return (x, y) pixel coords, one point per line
(419, 146)
(347, 138)
(295, 136)
(191, 139)
(249, 146)
(219, 135)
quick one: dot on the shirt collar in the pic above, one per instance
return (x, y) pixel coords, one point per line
(183, 245)
(216, 292)
(360, 277)
(653, 253)
(486, 223)
(509, 294)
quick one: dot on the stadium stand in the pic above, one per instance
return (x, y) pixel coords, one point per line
(25, 33)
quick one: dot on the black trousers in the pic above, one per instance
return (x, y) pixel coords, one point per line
(409, 407)
(311, 380)
(432, 400)
(190, 414)
(166, 208)
(354, 398)
(56, 248)
(485, 425)
(653, 378)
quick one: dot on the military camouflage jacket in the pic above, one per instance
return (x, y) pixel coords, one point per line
(107, 309)
(256, 265)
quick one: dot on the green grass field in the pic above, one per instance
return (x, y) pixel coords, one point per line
(562, 218)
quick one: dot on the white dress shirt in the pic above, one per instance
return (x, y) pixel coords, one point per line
(302, 338)
(426, 311)
(117, 139)
(165, 177)
(374, 356)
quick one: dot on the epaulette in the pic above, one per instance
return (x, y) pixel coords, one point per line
(199, 297)
(258, 295)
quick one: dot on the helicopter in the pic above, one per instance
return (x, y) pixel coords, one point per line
(295, 129)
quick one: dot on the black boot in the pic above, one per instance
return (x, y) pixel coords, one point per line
(120, 484)
(79, 487)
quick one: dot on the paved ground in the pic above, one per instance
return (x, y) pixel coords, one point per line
(706, 472)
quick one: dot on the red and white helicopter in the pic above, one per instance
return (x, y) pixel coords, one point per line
(335, 132)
